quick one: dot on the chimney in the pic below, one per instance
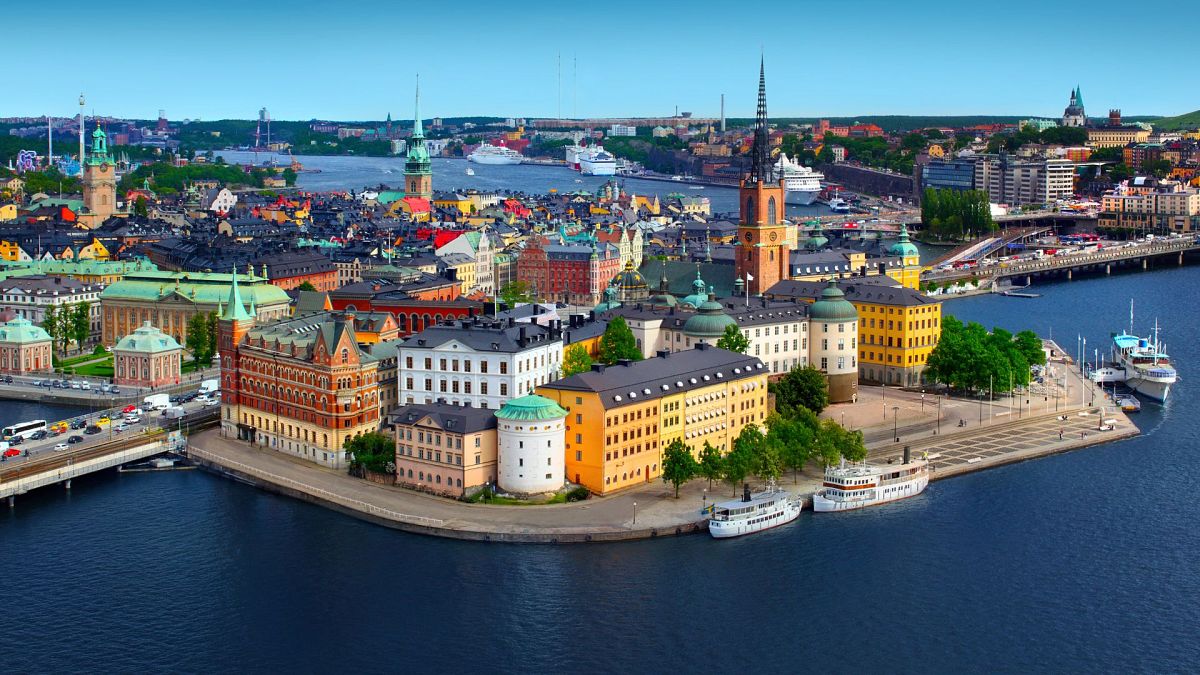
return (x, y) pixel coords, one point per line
(522, 339)
(511, 322)
(597, 367)
(1114, 117)
(625, 362)
(907, 454)
(662, 353)
(702, 345)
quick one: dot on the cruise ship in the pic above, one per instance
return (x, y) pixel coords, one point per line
(598, 162)
(857, 486)
(753, 512)
(802, 184)
(571, 154)
(494, 154)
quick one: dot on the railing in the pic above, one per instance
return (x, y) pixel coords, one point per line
(316, 491)
(1063, 262)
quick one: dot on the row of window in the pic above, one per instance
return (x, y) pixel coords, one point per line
(650, 471)
(432, 455)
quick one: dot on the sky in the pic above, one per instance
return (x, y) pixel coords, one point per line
(359, 59)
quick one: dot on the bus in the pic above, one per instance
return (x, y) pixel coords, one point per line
(24, 429)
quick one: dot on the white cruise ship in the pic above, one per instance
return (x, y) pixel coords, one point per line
(856, 486)
(494, 154)
(571, 154)
(802, 184)
(753, 513)
(598, 162)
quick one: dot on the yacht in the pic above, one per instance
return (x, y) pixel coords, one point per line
(494, 154)
(470, 171)
(598, 162)
(1147, 366)
(856, 486)
(839, 205)
(801, 184)
(772, 507)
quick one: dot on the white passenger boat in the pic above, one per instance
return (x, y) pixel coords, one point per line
(772, 507)
(854, 486)
(802, 184)
(495, 154)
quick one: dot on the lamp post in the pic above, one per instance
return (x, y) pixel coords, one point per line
(704, 501)
(635, 514)
(895, 421)
(939, 420)
(922, 403)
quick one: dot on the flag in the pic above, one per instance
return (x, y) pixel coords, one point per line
(749, 277)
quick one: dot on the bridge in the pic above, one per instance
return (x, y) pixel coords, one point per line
(1106, 259)
(985, 246)
(19, 475)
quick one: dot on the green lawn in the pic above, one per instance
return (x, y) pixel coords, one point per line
(67, 363)
(101, 369)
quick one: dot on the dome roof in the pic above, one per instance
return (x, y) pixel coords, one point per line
(531, 407)
(21, 330)
(833, 306)
(709, 321)
(630, 279)
(147, 339)
(904, 248)
(816, 238)
(699, 292)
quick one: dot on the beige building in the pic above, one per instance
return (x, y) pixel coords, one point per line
(445, 448)
(24, 347)
(1177, 211)
(1116, 136)
(147, 358)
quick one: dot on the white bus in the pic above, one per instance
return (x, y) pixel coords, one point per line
(24, 429)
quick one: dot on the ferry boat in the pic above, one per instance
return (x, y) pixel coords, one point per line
(598, 162)
(802, 185)
(494, 154)
(1147, 366)
(756, 512)
(856, 486)
(839, 205)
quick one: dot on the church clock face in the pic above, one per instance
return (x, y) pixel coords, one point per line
(749, 236)
(774, 236)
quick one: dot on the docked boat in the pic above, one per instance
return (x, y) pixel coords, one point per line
(495, 154)
(855, 486)
(1128, 403)
(598, 162)
(839, 205)
(1148, 369)
(756, 512)
(571, 155)
(801, 184)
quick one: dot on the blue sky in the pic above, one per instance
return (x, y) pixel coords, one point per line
(358, 60)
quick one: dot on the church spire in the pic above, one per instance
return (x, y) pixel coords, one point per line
(418, 130)
(760, 152)
(234, 309)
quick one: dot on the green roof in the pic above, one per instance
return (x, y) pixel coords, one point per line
(531, 407)
(389, 196)
(833, 306)
(22, 331)
(148, 340)
(204, 288)
(709, 321)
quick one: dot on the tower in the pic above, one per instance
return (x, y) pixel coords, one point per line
(762, 255)
(82, 126)
(1074, 115)
(233, 323)
(418, 175)
(99, 183)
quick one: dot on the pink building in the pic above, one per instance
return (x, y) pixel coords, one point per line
(24, 347)
(147, 358)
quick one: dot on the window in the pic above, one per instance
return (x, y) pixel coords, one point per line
(504, 389)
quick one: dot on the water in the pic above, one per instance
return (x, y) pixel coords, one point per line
(357, 173)
(12, 412)
(1083, 562)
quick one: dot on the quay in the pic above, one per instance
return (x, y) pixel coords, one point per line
(1011, 432)
(62, 467)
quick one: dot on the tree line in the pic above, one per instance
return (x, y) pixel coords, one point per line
(969, 358)
(948, 214)
(67, 323)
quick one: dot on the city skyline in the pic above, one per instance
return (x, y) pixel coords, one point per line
(827, 66)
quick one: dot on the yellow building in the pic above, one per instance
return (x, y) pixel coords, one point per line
(909, 271)
(1116, 136)
(621, 417)
(10, 250)
(450, 200)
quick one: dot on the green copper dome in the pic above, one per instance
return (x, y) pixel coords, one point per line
(903, 248)
(833, 306)
(699, 292)
(709, 321)
(147, 339)
(531, 407)
(816, 238)
(22, 331)
(610, 300)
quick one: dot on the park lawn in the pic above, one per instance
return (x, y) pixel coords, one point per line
(102, 369)
(67, 363)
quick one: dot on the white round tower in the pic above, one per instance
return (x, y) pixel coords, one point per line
(531, 452)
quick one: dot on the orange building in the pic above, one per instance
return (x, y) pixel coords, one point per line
(762, 254)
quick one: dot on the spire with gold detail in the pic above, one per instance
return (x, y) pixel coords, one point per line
(234, 309)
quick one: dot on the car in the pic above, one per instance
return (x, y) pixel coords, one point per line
(60, 446)
(115, 390)
(75, 439)
(212, 402)
(56, 384)
(93, 429)
(120, 427)
(38, 435)
(16, 440)
(86, 386)
(132, 419)
(78, 424)
(12, 452)
(46, 383)
(128, 409)
(8, 379)
(76, 385)
(37, 383)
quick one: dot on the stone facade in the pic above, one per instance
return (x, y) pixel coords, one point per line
(24, 347)
(147, 358)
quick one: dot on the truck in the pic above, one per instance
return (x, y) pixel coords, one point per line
(209, 387)
(157, 402)
(174, 412)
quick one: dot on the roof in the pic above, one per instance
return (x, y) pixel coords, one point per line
(531, 407)
(22, 331)
(856, 290)
(205, 288)
(148, 340)
(480, 336)
(448, 417)
(833, 305)
(300, 336)
(621, 385)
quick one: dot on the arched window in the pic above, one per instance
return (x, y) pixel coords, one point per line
(772, 218)
(749, 210)
(345, 356)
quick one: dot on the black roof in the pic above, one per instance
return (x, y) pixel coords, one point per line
(452, 418)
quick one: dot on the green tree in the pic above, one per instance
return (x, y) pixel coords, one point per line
(514, 293)
(733, 340)
(211, 321)
(54, 322)
(197, 338)
(712, 464)
(678, 466)
(80, 327)
(289, 176)
(792, 437)
(737, 464)
(140, 209)
(372, 451)
(618, 343)
(576, 360)
(801, 387)
(306, 286)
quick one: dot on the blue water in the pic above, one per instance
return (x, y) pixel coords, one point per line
(1078, 563)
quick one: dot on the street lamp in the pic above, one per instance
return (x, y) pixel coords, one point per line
(704, 501)
(635, 514)
(895, 421)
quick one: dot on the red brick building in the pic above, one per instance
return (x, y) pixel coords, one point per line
(576, 274)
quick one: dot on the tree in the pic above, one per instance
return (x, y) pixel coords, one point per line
(576, 360)
(712, 464)
(618, 343)
(371, 451)
(679, 466)
(306, 286)
(197, 338)
(514, 293)
(802, 387)
(54, 325)
(792, 437)
(140, 209)
(733, 340)
(211, 320)
(80, 327)
(968, 357)
(737, 464)
(289, 176)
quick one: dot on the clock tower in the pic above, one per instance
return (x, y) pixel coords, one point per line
(762, 255)
(418, 174)
(99, 183)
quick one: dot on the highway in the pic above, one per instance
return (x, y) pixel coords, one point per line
(1062, 262)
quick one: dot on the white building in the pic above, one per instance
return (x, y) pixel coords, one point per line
(478, 363)
(531, 445)
(220, 200)
(29, 297)
(477, 246)
(622, 130)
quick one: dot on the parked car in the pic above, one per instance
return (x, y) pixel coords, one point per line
(115, 390)
(60, 446)
(86, 386)
(16, 440)
(37, 383)
(75, 439)
(8, 379)
(76, 385)
(12, 452)
(56, 384)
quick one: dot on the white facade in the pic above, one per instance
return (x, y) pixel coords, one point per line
(221, 200)
(835, 347)
(531, 455)
(456, 372)
(779, 338)
(29, 297)
(622, 130)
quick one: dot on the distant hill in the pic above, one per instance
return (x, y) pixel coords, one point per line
(1187, 121)
(893, 123)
